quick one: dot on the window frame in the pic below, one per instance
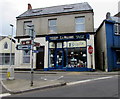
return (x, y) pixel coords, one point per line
(50, 27)
(26, 56)
(80, 23)
(117, 28)
(25, 29)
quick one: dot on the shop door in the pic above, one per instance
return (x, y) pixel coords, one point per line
(40, 58)
(59, 58)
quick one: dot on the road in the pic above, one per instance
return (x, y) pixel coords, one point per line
(96, 88)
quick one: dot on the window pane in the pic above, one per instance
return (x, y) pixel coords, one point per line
(52, 22)
(80, 27)
(26, 31)
(80, 20)
(26, 56)
(52, 29)
(80, 24)
(5, 45)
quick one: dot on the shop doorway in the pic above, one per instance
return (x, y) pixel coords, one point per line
(59, 57)
(40, 58)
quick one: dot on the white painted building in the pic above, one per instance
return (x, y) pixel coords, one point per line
(64, 33)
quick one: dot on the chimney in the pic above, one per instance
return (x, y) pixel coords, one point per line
(108, 16)
(29, 6)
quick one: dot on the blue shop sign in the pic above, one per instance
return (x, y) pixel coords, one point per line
(67, 37)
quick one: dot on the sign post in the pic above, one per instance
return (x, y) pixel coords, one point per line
(90, 51)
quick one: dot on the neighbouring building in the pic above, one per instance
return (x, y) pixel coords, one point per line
(5, 50)
(107, 40)
(64, 32)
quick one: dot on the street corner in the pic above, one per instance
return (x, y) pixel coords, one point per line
(22, 85)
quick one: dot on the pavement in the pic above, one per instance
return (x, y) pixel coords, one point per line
(23, 85)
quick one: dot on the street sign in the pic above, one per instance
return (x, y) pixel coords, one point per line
(35, 51)
(23, 47)
(36, 44)
(90, 49)
(27, 42)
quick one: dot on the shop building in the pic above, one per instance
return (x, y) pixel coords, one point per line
(64, 33)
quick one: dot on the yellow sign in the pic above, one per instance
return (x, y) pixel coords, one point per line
(71, 44)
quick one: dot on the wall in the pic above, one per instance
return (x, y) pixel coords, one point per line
(65, 24)
(101, 48)
(2, 50)
(19, 55)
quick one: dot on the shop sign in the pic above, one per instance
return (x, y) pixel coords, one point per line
(71, 44)
(67, 37)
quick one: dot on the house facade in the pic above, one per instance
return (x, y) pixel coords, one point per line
(5, 50)
(108, 44)
(64, 32)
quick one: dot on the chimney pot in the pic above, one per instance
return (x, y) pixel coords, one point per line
(29, 6)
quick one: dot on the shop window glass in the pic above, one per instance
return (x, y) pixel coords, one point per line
(51, 62)
(52, 26)
(80, 24)
(77, 57)
(118, 56)
(26, 56)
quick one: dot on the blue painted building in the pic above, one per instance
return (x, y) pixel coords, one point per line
(107, 41)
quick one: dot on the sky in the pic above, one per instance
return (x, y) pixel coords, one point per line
(10, 9)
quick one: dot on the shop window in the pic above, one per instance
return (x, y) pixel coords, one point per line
(6, 45)
(76, 57)
(118, 56)
(52, 25)
(26, 56)
(26, 29)
(80, 24)
(117, 28)
(51, 62)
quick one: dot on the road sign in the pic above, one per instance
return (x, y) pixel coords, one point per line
(23, 47)
(90, 49)
(27, 42)
(35, 51)
(36, 44)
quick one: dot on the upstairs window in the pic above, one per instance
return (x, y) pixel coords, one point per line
(6, 45)
(26, 29)
(52, 26)
(117, 28)
(80, 24)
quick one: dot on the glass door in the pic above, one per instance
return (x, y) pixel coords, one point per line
(59, 58)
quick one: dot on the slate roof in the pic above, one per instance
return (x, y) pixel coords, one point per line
(57, 9)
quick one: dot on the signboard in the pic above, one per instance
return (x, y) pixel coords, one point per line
(27, 42)
(36, 44)
(72, 44)
(90, 49)
(68, 37)
(23, 47)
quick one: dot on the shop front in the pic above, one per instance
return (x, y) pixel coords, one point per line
(68, 52)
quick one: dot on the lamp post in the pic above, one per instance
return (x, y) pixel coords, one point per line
(10, 71)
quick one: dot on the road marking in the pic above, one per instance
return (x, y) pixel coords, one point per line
(5, 94)
(88, 80)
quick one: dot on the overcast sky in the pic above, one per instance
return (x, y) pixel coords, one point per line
(10, 9)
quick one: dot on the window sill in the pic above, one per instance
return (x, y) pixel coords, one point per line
(117, 34)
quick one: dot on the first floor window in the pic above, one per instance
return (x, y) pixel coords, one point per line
(118, 56)
(52, 25)
(5, 58)
(26, 56)
(117, 28)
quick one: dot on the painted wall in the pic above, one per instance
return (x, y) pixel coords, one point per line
(101, 51)
(2, 50)
(19, 55)
(65, 23)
